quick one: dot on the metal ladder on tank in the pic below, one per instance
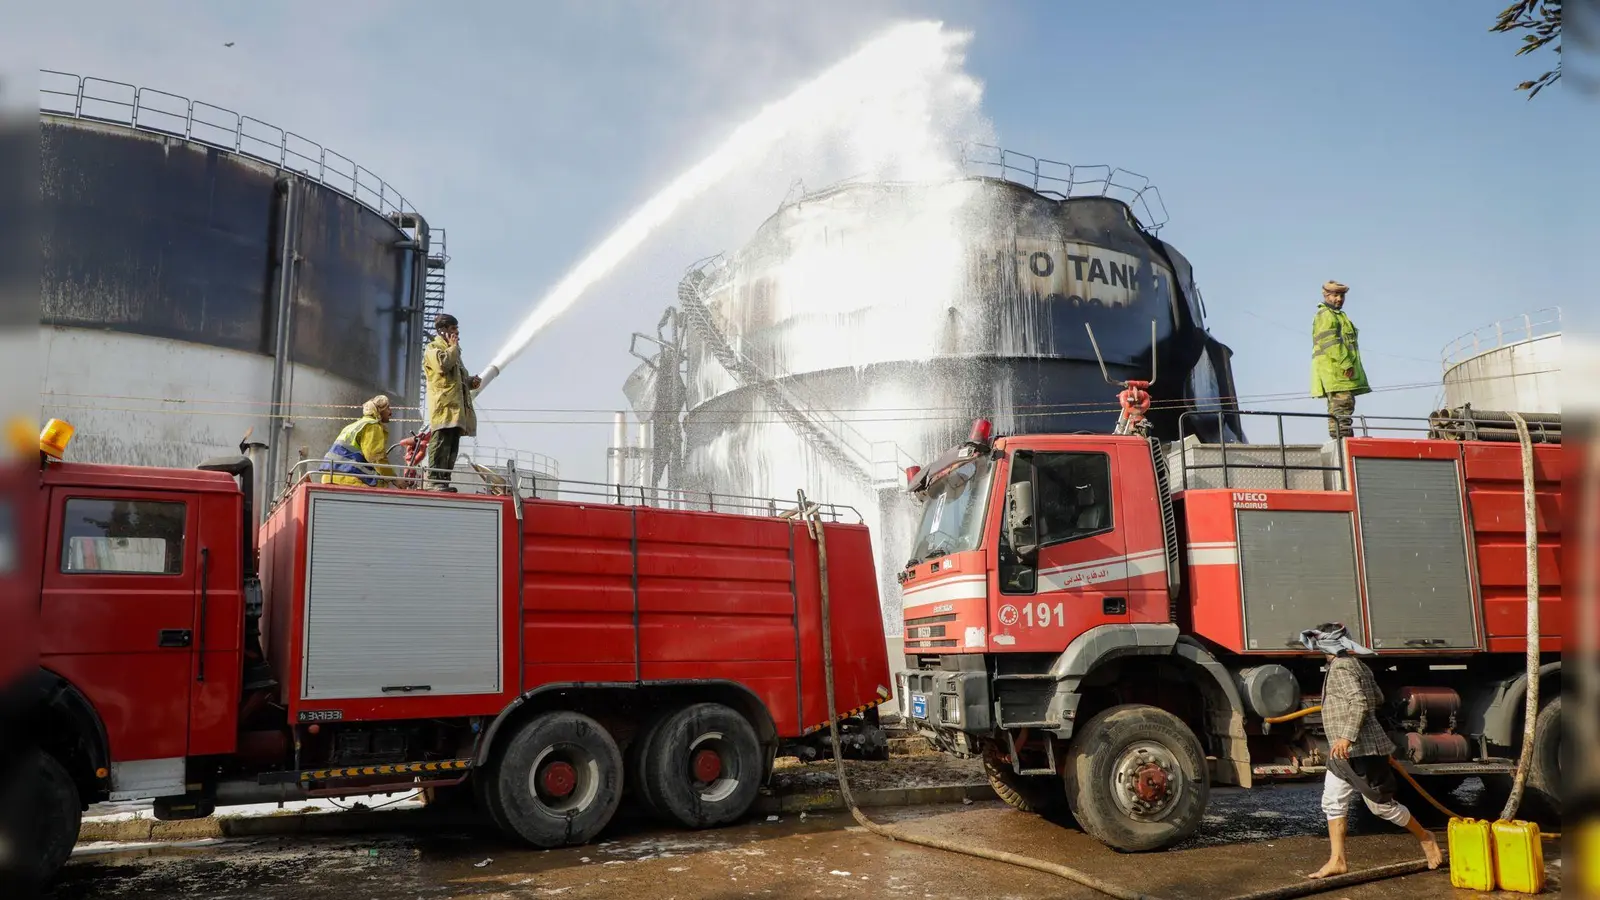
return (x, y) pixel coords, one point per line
(831, 439)
(432, 298)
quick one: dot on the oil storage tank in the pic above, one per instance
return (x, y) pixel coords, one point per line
(206, 275)
(863, 327)
(1514, 363)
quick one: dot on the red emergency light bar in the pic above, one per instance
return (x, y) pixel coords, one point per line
(982, 430)
(911, 473)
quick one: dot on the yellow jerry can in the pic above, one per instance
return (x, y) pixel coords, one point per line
(1518, 857)
(1587, 845)
(1471, 854)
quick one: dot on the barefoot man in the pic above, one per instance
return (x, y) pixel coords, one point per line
(1358, 747)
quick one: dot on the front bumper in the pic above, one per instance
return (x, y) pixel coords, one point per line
(942, 702)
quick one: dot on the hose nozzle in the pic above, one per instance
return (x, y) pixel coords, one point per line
(484, 377)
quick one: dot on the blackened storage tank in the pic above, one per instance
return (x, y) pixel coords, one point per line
(205, 275)
(865, 326)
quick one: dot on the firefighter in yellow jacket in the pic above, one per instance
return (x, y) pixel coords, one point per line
(1336, 371)
(358, 455)
(450, 413)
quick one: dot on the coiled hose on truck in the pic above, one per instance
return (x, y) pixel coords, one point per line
(808, 512)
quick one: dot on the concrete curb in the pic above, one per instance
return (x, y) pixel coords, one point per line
(403, 820)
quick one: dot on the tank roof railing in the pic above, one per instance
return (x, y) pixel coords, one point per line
(483, 480)
(1510, 330)
(1064, 180)
(159, 112)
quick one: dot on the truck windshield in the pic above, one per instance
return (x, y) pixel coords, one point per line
(952, 518)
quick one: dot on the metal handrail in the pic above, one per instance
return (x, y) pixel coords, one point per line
(1510, 330)
(1064, 180)
(159, 112)
(482, 480)
(1282, 465)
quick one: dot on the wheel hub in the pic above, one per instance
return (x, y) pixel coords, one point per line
(1147, 781)
(1150, 784)
(558, 779)
(707, 766)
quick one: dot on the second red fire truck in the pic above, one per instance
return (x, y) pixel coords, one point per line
(1110, 623)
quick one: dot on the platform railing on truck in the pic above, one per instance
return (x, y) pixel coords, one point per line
(1283, 465)
(508, 479)
(1464, 424)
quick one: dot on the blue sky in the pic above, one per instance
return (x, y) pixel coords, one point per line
(1379, 144)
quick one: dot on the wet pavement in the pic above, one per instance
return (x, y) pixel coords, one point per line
(1250, 841)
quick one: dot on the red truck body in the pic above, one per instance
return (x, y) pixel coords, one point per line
(546, 654)
(597, 594)
(1072, 596)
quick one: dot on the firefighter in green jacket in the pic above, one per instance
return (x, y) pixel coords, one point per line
(1336, 371)
(450, 413)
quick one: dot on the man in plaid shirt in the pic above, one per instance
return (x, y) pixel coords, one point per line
(1358, 748)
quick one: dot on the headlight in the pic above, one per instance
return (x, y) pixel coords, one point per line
(949, 709)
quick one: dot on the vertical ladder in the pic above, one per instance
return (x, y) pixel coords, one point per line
(432, 303)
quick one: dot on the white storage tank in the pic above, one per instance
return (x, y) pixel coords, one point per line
(1512, 364)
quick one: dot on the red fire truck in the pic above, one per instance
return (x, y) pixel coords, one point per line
(1106, 615)
(545, 652)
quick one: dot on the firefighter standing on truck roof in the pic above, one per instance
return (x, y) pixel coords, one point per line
(1358, 748)
(358, 454)
(450, 413)
(1336, 371)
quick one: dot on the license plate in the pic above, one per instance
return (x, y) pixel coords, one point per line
(919, 706)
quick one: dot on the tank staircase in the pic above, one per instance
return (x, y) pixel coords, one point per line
(876, 465)
(433, 290)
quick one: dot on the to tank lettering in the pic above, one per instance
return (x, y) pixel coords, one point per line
(1041, 264)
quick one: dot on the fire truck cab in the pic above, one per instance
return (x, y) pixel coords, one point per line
(1110, 623)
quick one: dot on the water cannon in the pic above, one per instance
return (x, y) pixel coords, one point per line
(487, 375)
(1135, 395)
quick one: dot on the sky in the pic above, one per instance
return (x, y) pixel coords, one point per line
(1378, 144)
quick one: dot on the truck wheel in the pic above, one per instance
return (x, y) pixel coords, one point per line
(62, 813)
(1544, 773)
(1136, 778)
(559, 780)
(703, 766)
(1042, 794)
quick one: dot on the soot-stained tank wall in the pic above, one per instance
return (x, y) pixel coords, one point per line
(159, 237)
(983, 284)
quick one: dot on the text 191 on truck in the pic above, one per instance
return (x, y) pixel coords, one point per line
(1109, 622)
(546, 654)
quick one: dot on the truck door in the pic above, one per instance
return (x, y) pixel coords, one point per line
(1078, 577)
(117, 619)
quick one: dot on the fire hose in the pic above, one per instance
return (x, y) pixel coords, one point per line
(808, 512)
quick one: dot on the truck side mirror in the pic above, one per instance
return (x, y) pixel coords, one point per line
(1020, 527)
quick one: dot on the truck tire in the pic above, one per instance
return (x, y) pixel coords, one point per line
(61, 815)
(488, 799)
(639, 785)
(559, 780)
(1544, 773)
(1042, 794)
(703, 766)
(1136, 778)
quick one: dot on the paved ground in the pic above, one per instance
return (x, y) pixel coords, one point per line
(1251, 840)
